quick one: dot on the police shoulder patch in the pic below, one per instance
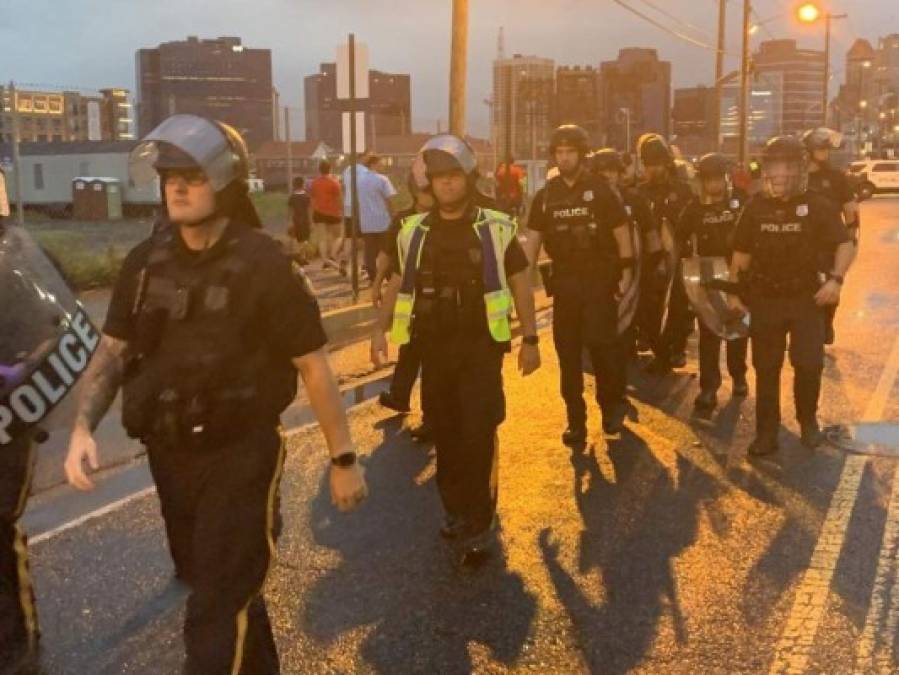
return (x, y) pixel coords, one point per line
(802, 210)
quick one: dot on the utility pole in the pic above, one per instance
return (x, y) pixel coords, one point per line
(458, 67)
(354, 193)
(289, 149)
(719, 69)
(743, 134)
(16, 157)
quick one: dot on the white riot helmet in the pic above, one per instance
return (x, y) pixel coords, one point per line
(187, 141)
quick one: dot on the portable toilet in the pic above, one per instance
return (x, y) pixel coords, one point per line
(96, 199)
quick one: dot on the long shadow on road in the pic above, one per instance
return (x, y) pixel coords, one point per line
(633, 528)
(395, 578)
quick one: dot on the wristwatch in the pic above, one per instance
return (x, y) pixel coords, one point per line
(835, 277)
(532, 340)
(345, 460)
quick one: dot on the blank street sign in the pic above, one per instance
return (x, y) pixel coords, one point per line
(343, 71)
(360, 133)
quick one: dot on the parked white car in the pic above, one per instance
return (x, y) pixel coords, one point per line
(874, 176)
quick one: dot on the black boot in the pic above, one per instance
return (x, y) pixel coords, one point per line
(387, 400)
(741, 388)
(575, 434)
(810, 435)
(764, 444)
(678, 360)
(453, 527)
(613, 422)
(704, 406)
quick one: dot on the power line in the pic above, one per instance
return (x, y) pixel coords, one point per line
(661, 26)
(682, 22)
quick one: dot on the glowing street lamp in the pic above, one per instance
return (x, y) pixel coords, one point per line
(808, 13)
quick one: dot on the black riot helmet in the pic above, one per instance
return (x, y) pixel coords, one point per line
(821, 138)
(784, 167)
(572, 136)
(714, 164)
(608, 159)
(653, 150)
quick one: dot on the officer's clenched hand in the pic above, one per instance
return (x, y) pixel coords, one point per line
(81, 447)
(379, 351)
(736, 305)
(828, 294)
(528, 359)
(348, 488)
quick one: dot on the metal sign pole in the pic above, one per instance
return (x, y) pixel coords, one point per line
(354, 195)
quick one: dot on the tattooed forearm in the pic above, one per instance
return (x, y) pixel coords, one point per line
(102, 380)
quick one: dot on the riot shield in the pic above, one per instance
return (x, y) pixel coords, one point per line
(630, 298)
(671, 259)
(704, 277)
(46, 340)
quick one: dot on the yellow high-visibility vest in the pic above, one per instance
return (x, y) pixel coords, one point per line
(495, 231)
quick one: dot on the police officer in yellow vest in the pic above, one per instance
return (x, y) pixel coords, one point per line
(461, 268)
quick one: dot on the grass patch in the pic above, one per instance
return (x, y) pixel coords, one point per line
(83, 266)
(271, 207)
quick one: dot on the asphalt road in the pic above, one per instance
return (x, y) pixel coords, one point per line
(662, 551)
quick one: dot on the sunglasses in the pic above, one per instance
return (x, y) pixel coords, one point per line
(192, 176)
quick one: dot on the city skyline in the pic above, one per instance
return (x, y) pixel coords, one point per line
(301, 38)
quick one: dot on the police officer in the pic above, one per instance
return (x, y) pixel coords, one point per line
(586, 232)
(46, 342)
(707, 225)
(832, 184)
(781, 240)
(609, 165)
(669, 196)
(461, 267)
(208, 325)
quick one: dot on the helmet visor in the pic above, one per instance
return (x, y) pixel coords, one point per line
(783, 178)
(185, 140)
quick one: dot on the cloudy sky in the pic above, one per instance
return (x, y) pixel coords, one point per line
(91, 43)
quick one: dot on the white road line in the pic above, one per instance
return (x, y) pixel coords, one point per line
(875, 646)
(102, 511)
(810, 602)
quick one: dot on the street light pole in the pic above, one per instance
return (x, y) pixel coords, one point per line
(719, 69)
(458, 67)
(827, 19)
(743, 132)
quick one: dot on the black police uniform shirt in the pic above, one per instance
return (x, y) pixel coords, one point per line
(667, 198)
(712, 226)
(790, 241)
(831, 184)
(588, 200)
(452, 251)
(640, 210)
(284, 310)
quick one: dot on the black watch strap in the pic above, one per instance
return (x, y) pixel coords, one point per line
(345, 460)
(835, 277)
(532, 340)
